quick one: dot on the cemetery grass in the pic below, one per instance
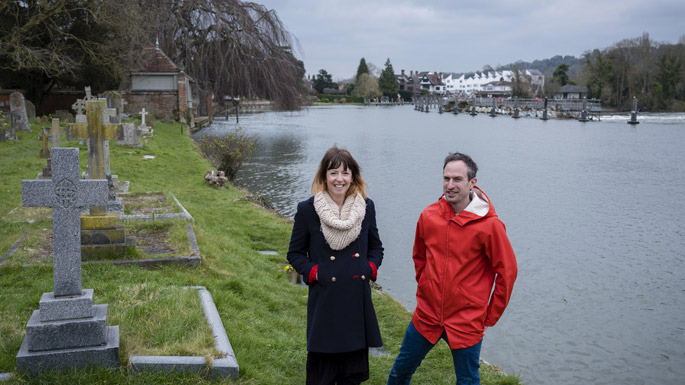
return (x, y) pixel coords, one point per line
(264, 315)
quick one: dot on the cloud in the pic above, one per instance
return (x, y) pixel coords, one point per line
(464, 36)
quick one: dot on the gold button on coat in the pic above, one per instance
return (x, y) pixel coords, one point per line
(332, 258)
(363, 277)
(333, 279)
(356, 255)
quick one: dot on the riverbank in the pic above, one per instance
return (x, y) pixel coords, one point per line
(264, 315)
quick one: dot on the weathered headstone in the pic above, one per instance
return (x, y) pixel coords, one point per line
(56, 131)
(89, 97)
(96, 132)
(80, 107)
(30, 109)
(13, 125)
(132, 135)
(122, 113)
(67, 331)
(18, 106)
(100, 231)
(44, 150)
(64, 116)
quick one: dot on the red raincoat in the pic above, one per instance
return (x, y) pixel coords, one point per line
(457, 259)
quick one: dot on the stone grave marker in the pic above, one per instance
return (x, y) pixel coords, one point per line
(100, 232)
(67, 331)
(97, 133)
(89, 97)
(56, 131)
(13, 126)
(80, 107)
(64, 116)
(18, 106)
(132, 135)
(30, 109)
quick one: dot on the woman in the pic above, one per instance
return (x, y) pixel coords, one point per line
(335, 246)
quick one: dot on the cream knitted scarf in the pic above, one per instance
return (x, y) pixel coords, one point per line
(340, 226)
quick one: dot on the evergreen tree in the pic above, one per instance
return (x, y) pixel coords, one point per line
(362, 68)
(560, 74)
(323, 80)
(388, 82)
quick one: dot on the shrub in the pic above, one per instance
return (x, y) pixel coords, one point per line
(227, 153)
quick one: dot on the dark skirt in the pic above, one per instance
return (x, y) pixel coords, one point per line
(338, 368)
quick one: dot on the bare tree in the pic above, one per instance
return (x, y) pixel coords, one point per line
(67, 42)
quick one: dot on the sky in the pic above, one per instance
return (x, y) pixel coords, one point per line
(464, 36)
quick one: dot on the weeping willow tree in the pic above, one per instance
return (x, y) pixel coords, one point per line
(233, 48)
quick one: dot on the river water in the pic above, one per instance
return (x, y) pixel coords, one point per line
(594, 212)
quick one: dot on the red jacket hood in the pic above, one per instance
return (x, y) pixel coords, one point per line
(480, 207)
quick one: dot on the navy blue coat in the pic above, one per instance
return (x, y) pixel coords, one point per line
(340, 314)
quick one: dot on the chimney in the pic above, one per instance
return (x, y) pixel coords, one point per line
(435, 77)
(440, 81)
(411, 73)
(402, 73)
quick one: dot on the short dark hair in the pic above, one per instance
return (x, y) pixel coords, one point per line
(470, 164)
(332, 159)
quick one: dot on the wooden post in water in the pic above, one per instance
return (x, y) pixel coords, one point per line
(583, 112)
(633, 113)
(544, 111)
(516, 108)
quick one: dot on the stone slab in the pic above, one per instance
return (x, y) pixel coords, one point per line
(93, 222)
(107, 251)
(167, 364)
(66, 307)
(65, 334)
(106, 355)
(103, 236)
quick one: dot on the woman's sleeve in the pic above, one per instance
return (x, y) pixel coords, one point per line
(375, 251)
(299, 245)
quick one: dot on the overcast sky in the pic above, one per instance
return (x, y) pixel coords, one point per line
(462, 36)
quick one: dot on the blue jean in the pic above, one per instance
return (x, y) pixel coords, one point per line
(415, 347)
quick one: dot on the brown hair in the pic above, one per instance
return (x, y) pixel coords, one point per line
(332, 159)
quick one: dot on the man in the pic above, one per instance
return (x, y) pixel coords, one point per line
(460, 250)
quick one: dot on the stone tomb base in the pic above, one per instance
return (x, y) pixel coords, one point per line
(68, 332)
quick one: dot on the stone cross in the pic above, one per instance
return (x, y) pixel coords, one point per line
(89, 97)
(79, 106)
(55, 132)
(123, 103)
(44, 150)
(66, 193)
(143, 113)
(97, 132)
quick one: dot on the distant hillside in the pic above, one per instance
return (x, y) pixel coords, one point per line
(547, 66)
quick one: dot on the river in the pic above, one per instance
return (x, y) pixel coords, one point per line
(593, 211)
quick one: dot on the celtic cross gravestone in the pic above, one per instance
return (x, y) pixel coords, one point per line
(68, 331)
